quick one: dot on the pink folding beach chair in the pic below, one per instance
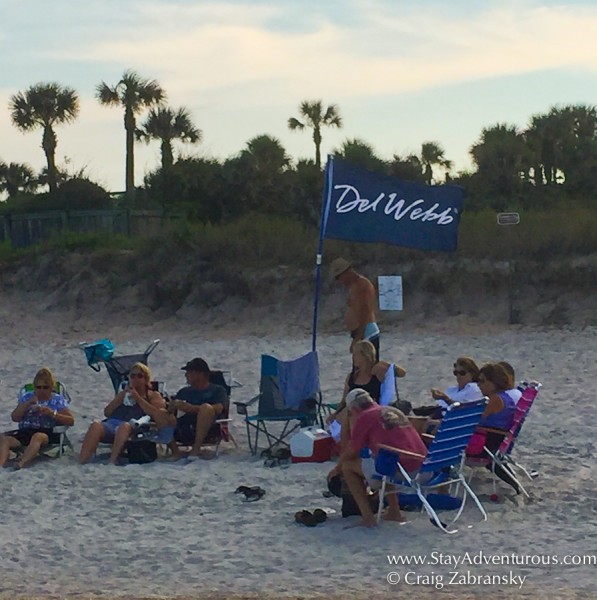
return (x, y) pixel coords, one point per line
(502, 457)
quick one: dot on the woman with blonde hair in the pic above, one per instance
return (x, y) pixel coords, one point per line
(135, 401)
(37, 413)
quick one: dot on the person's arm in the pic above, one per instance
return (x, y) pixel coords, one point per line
(61, 415)
(495, 405)
(361, 306)
(116, 402)
(23, 408)
(342, 404)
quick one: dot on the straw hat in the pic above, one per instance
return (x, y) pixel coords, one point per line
(338, 266)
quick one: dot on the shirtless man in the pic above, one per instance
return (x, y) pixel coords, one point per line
(360, 309)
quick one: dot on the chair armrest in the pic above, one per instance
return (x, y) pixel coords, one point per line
(241, 407)
(60, 428)
(218, 421)
(493, 430)
(401, 451)
(428, 435)
(399, 371)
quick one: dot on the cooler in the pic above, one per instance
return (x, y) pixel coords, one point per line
(311, 445)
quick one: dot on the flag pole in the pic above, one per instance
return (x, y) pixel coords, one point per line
(325, 209)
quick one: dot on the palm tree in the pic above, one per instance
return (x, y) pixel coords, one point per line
(168, 125)
(45, 105)
(266, 155)
(315, 117)
(433, 154)
(135, 94)
(361, 154)
(502, 158)
(16, 178)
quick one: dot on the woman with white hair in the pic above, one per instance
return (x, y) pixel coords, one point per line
(375, 426)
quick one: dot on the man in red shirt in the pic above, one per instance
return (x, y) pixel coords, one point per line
(376, 425)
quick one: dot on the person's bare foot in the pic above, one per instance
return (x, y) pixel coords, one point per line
(368, 522)
(389, 515)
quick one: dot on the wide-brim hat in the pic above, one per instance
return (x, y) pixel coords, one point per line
(338, 266)
(196, 364)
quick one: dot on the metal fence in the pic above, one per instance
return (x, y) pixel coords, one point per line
(27, 229)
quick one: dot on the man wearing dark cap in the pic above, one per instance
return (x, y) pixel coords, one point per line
(201, 402)
(360, 307)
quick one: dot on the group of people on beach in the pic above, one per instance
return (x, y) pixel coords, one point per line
(185, 420)
(182, 423)
(366, 425)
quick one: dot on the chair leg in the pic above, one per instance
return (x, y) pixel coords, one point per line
(382, 495)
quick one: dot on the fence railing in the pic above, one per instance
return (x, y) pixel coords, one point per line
(28, 229)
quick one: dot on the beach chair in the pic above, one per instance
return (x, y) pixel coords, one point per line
(289, 397)
(220, 430)
(118, 367)
(502, 458)
(443, 465)
(57, 449)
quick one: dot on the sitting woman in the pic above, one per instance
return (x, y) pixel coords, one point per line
(494, 381)
(466, 389)
(37, 413)
(132, 403)
(367, 374)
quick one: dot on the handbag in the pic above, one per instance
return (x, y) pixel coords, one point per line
(98, 351)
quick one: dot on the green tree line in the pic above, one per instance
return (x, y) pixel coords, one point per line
(552, 160)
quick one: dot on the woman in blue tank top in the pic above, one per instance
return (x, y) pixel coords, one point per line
(135, 401)
(494, 380)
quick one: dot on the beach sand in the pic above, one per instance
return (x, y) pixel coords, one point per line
(170, 530)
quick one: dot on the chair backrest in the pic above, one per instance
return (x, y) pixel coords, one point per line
(59, 388)
(530, 390)
(453, 435)
(288, 387)
(118, 367)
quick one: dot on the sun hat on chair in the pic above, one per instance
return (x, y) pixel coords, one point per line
(338, 266)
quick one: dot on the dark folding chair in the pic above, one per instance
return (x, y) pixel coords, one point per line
(272, 405)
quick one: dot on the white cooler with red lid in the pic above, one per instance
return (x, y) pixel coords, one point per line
(311, 444)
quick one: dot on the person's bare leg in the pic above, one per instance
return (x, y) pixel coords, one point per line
(353, 475)
(393, 512)
(205, 418)
(121, 437)
(93, 437)
(37, 441)
(7, 443)
(344, 421)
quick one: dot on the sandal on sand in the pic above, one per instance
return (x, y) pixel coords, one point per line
(320, 515)
(311, 519)
(252, 494)
(304, 517)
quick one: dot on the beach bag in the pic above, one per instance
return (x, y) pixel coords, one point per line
(476, 444)
(140, 452)
(98, 351)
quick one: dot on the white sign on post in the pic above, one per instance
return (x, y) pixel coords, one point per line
(390, 292)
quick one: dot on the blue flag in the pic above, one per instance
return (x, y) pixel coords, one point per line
(362, 206)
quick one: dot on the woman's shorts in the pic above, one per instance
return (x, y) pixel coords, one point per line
(24, 435)
(110, 427)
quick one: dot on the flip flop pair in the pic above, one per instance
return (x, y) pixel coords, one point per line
(251, 493)
(310, 519)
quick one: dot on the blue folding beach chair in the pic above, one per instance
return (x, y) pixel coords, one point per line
(443, 465)
(289, 396)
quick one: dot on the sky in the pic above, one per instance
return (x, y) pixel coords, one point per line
(401, 72)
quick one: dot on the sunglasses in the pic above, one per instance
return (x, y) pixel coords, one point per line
(139, 375)
(459, 372)
(42, 387)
